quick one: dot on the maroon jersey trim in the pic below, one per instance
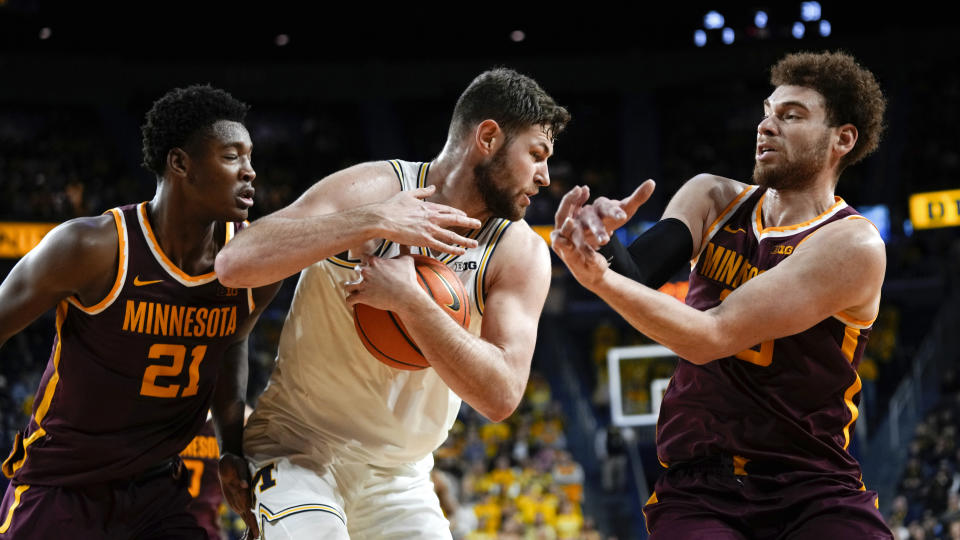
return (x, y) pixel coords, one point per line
(10, 467)
(121, 269)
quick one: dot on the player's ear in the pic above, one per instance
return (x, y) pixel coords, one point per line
(177, 161)
(488, 136)
(846, 139)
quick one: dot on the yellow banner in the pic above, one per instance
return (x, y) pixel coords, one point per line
(935, 209)
(544, 232)
(16, 239)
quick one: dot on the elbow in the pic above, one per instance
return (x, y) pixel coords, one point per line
(227, 269)
(503, 406)
(498, 413)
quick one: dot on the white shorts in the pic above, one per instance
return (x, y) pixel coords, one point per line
(347, 501)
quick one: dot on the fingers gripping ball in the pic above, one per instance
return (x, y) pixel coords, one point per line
(384, 335)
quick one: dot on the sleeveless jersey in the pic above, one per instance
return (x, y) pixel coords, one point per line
(329, 399)
(130, 379)
(790, 402)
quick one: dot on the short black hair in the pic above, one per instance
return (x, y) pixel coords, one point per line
(181, 114)
(851, 93)
(512, 99)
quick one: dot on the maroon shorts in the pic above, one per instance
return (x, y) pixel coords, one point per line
(711, 503)
(151, 506)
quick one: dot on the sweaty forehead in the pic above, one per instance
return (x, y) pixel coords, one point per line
(808, 97)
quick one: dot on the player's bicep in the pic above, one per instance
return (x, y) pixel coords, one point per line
(352, 187)
(515, 299)
(61, 265)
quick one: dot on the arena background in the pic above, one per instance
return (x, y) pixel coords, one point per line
(335, 87)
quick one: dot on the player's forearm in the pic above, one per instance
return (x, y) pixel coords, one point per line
(475, 369)
(276, 247)
(693, 334)
(229, 399)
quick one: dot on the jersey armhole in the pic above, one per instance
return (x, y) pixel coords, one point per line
(122, 264)
(481, 287)
(721, 219)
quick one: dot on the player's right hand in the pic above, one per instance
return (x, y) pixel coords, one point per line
(406, 218)
(235, 483)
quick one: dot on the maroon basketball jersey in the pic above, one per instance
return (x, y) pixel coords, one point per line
(790, 402)
(130, 379)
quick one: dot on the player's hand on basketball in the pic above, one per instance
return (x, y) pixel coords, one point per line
(389, 284)
(235, 483)
(586, 264)
(408, 219)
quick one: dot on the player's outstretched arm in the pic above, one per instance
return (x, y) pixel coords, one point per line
(78, 257)
(490, 371)
(229, 403)
(837, 271)
(342, 211)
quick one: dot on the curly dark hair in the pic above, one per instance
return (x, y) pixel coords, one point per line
(851, 93)
(181, 114)
(512, 99)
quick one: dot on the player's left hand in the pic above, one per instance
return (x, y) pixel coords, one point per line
(389, 284)
(235, 483)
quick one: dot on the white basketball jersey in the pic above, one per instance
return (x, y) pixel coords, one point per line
(329, 399)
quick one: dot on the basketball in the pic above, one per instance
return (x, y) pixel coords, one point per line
(384, 335)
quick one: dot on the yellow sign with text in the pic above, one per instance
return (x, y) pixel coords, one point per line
(17, 238)
(935, 209)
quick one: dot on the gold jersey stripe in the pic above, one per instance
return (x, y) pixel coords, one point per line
(481, 272)
(122, 264)
(16, 502)
(724, 215)
(854, 412)
(172, 269)
(48, 392)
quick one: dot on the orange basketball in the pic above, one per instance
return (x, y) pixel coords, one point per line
(384, 335)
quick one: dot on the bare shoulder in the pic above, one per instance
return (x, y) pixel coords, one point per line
(701, 200)
(77, 257)
(717, 189)
(853, 253)
(93, 241)
(853, 237)
(522, 255)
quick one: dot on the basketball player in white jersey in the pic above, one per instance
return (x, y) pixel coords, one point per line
(340, 444)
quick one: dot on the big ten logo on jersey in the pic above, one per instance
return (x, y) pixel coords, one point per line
(461, 266)
(263, 479)
(227, 291)
(781, 249)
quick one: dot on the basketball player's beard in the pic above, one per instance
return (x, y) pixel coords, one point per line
(795, 173)
(500, 201)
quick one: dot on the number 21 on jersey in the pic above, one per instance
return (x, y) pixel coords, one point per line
(178, 353)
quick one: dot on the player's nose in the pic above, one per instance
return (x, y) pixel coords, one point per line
(246, 172)
(542, 178)
(767, 126)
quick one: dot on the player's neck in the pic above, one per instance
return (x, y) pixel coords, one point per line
(782, 208)
(452, 174)
(189, 243)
